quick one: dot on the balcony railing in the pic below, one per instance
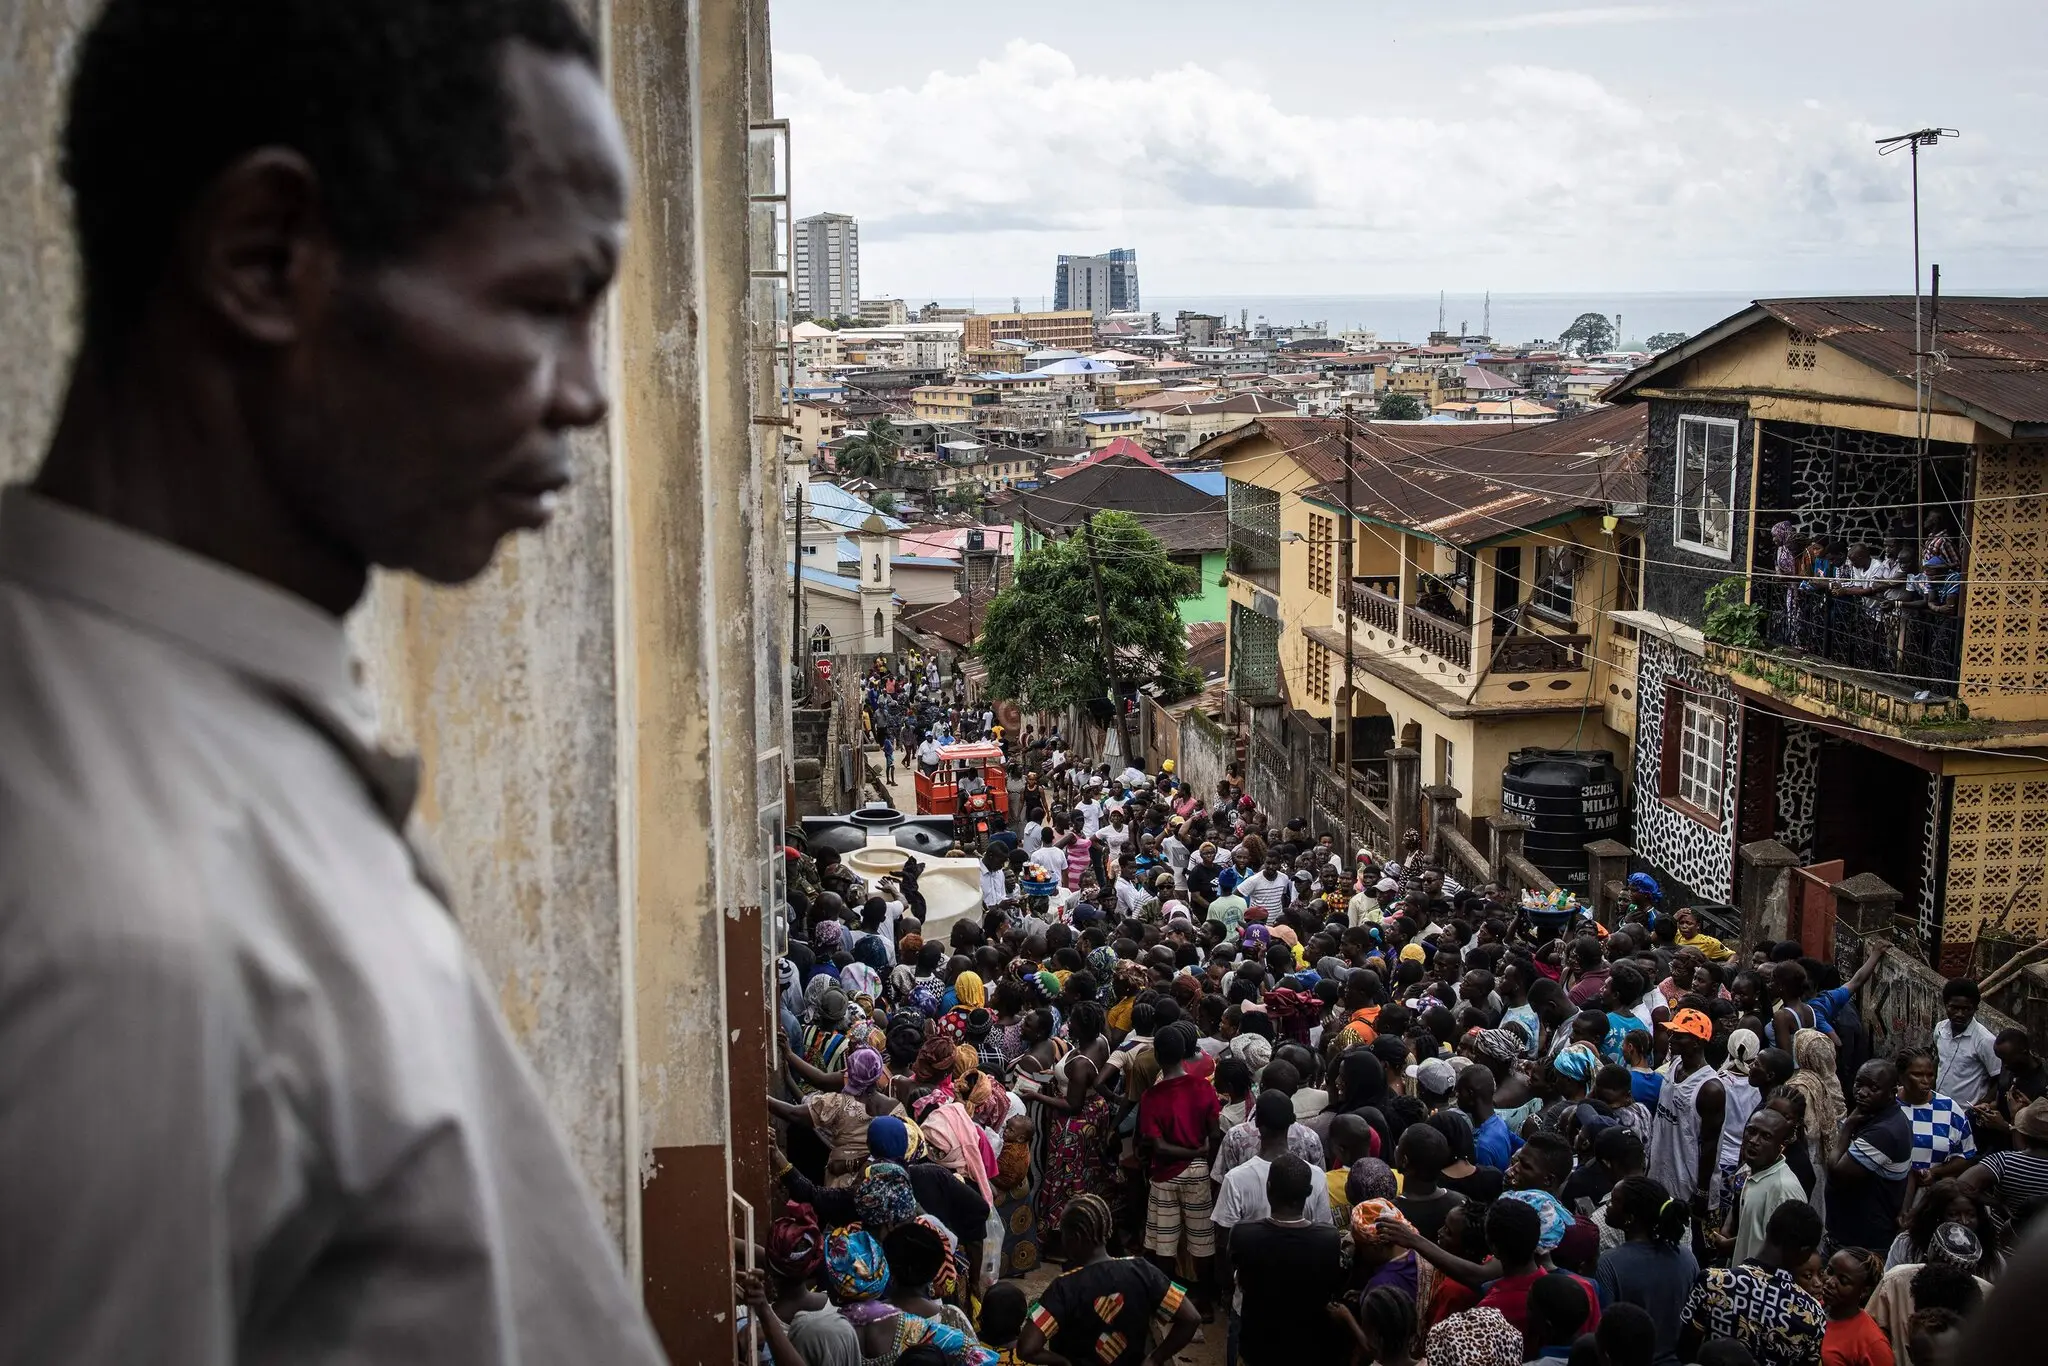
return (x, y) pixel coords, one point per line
(1448, 640)
(1376, 601)
(1529, 653)
(1253, 551)
(1903, 646)
(1254, 653)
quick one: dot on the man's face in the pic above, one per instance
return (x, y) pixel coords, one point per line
(1876, 1083)
(1763, 1139)
(1272, 867)
(422, 411)
(1960, 1012)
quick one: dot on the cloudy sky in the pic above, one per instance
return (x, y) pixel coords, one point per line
(1356, 146)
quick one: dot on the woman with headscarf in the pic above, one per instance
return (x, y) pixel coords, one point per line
(856, 1276)
(969, 996)
(1821, 1089)
(839, 1107)
(955, 1141)
(1741, 1097)
(1377, 1258)
(821, 1040)
(791, 1303)
(860, 982)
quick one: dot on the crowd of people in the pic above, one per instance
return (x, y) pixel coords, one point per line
(1230, 1078)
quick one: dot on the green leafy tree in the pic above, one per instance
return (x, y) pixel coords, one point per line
(1664, 341)
(884, 502)
(1040, 639)
(1399, 407)
(1589, 334)
(869, 455)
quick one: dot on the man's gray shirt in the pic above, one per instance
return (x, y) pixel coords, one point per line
(256, 1104)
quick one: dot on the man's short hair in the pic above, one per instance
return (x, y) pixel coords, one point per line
(1287, 1181)
(1512, 1230)
(1794, 1226)
(1273, 1112)
(1960, 988)
(398, 106)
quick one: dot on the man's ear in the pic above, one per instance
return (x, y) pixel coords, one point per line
(258, 248)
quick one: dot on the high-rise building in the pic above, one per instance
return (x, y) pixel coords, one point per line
(1123, 280)
(827, 266)
(1101, 284)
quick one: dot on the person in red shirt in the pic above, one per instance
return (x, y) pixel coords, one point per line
(1853, 1337)
(1178, 1125)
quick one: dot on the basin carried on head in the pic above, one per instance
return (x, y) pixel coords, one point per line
(951, 886)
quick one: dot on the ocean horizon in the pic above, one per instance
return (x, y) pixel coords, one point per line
(1515, 318)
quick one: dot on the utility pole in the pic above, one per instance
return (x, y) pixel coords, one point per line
(1913, 142)
(1344, 587)
(1109, 669)
(797, 662)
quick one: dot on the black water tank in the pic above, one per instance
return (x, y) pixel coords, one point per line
(1571, 797)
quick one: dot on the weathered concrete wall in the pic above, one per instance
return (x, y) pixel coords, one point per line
(1207, 753)
(38, 279)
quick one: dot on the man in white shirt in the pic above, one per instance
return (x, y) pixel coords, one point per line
(1090, 812)
(1269, 887)
(1967, 1063)
(1128, 897)
(1241, 1195)
(1176, 850)
(928, 754)
(1050, 856)
(1116, 836)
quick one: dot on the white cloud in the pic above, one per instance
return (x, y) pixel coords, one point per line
(1532, 177)
(1591, 16)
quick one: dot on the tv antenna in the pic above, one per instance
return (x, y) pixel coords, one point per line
(1913, 142)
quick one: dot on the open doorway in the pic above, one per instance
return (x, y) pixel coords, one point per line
(1870, 811)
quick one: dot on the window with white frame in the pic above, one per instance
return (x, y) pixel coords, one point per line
(1700, 776)
(1705, 486)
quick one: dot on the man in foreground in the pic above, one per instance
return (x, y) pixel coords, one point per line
(340, 267)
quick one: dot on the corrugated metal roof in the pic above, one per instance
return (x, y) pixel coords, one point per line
(1480, 485)
(1992, 352)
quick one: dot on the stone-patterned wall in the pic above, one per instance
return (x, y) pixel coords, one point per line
(1934, 857)
(1701, 860)
(1798, 776)
(1675, 579)
(1856, 485)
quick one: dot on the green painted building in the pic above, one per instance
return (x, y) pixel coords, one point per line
(1190, 522)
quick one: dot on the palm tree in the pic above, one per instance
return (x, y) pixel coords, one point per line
(869, 455)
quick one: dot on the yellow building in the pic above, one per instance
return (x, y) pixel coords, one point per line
(1474, 614)
(1898, 734)
(953, 403)
(1425, 385)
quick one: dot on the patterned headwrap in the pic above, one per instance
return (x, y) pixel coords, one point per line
(1577, 1061)
(870, 951)
(1557, 1220)
(1497, 1045)
(935, 1059)
(1050, 984)
(828, 937)
(863, 1071)
(796, 1245)
(1102, 963)
(1476, 1337)
(883, 1199)
(855, 1269)
(858, 979)
(1366, 1216)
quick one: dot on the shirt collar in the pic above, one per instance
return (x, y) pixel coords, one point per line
(197, 604)
(279, 642)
